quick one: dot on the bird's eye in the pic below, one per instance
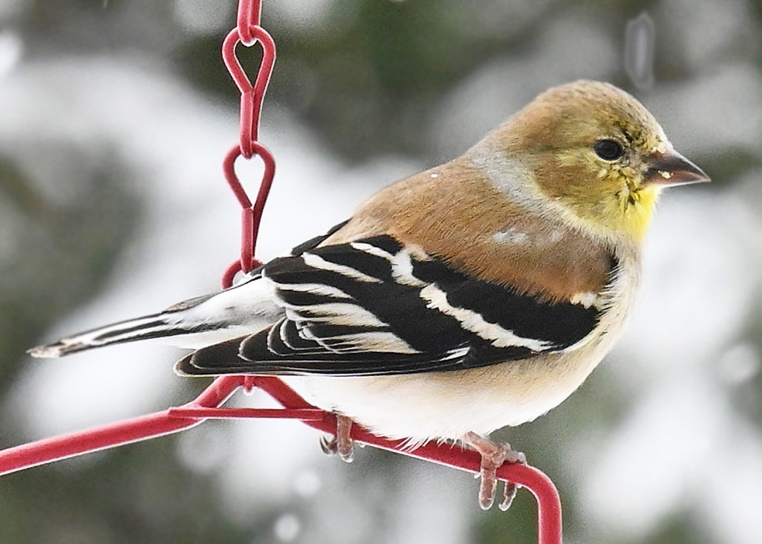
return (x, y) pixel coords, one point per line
(608, 150)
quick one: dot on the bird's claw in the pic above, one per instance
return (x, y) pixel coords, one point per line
(341, 444)
(493, 457)
(509, 493)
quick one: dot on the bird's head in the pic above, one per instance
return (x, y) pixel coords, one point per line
(596, 151)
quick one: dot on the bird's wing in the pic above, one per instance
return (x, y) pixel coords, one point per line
(374, 307)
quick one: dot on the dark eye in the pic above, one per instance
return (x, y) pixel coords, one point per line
(608, 150)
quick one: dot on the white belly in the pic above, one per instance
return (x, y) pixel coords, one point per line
(422, 407)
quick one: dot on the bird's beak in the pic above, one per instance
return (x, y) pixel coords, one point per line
(671, 168)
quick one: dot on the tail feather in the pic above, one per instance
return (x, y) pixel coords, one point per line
(142, 328)
(201, 321)
(240, 310)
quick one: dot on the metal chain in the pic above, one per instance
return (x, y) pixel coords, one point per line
(248, 32)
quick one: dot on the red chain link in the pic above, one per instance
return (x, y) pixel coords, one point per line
(249, 32)
(208, 404)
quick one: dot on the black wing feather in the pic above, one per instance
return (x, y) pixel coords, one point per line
(563, 324)
(349, 313)
(312, 243)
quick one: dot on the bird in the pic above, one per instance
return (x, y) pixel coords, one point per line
(475, 295)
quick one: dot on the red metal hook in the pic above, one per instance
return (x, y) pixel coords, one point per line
(251, 95)
(251, 215)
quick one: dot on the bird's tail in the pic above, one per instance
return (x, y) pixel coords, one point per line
(142, 328)
(237, 311)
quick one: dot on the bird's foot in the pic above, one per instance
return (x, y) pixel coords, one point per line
(493, 457)
(341, 443)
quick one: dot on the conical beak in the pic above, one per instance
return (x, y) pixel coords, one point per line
(671, 168)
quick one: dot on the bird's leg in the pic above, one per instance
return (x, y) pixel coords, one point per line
(493, 457)
(342, 443)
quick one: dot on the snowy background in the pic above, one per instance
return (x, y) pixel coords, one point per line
(114, 118)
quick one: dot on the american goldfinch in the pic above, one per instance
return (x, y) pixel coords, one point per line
(475, 295)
